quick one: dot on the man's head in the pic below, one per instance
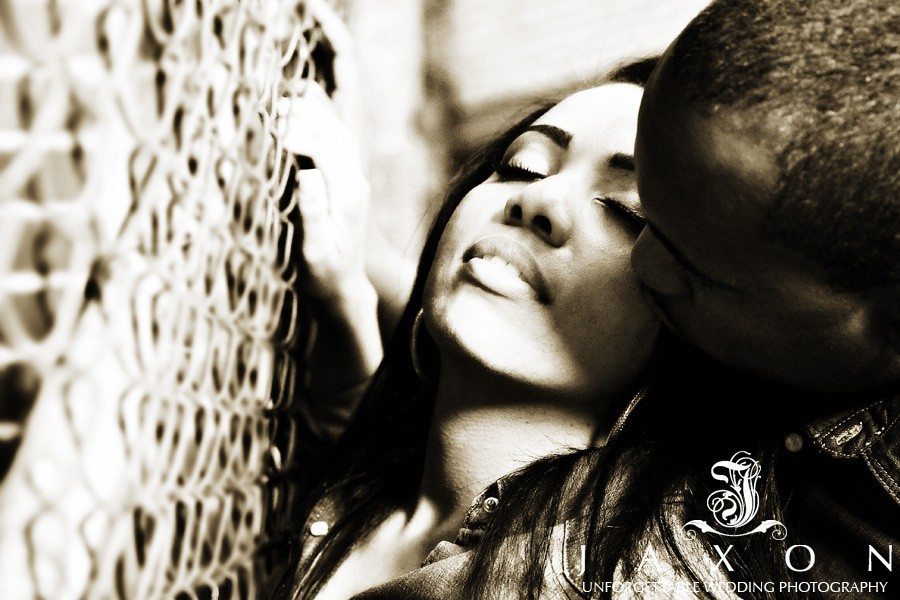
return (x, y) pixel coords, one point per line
(767, 156)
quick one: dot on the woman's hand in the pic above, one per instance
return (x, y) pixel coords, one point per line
(333, 199)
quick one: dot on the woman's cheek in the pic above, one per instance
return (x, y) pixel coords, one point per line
(610, 303)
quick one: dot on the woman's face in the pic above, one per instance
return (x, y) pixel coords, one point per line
(532, 278)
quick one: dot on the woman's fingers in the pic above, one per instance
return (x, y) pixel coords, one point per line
(311, 119)
(332, 247)
(332, 198)
(314, 130)
(315, 212)
(312, 195)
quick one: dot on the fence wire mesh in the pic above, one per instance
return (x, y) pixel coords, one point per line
(148, 314)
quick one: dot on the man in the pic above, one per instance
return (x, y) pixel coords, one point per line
(767, 157)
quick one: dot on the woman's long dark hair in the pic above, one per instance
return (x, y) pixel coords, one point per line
(657, 473)
(377, 464)
(376, 467)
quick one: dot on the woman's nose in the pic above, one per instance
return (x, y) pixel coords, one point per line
(543, 213)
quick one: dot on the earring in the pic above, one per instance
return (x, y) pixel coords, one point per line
(601, 438)
(414, 348)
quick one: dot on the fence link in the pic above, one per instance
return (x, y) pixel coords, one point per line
(148, 314)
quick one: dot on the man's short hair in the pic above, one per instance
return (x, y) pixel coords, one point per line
(827, 72)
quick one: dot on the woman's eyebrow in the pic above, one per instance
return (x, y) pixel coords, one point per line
(560, 137)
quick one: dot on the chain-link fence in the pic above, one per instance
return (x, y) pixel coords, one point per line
(148, 316)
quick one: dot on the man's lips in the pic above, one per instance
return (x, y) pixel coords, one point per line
(503, 264)
(658, 307)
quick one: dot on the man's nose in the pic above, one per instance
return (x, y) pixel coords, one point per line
(656, 268)
(543, 210)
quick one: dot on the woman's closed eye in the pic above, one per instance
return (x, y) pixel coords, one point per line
(531, 156)
(633, 220)
(523, 166)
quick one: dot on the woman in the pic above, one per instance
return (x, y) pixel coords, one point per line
(529, 338)
(525, 342)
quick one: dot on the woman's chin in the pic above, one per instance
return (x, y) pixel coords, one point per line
(484, 350)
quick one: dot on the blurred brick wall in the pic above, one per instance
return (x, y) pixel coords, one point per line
(501, 54)
(401, 125)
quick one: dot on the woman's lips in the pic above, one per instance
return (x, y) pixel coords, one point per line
(504, 266)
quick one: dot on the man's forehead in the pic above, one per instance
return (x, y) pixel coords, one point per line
(720, 159)
(728, 142)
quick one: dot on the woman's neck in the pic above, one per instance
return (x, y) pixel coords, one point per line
(483, 429)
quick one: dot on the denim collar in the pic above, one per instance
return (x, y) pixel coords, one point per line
(849, 433)
(869, 433)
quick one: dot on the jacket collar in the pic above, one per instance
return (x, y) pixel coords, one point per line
(849, 432)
